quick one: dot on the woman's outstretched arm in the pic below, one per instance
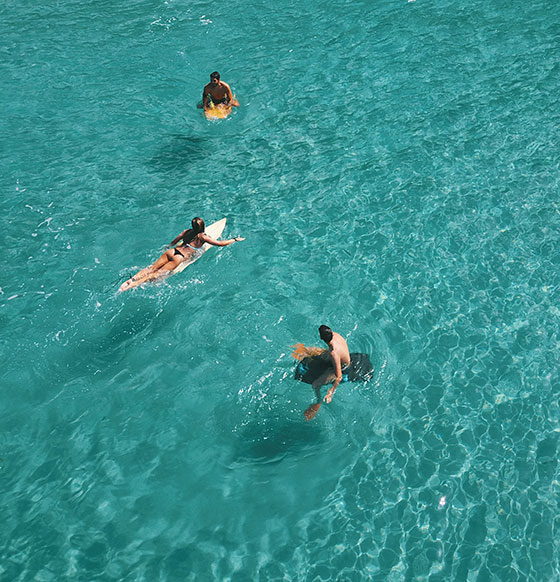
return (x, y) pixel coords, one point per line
(220, 243)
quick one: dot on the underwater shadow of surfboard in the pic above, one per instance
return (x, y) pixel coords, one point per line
(108, 346)
(311, 367)
(179, 153)
(272, 439)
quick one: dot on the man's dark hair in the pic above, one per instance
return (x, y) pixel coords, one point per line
(325, 333)
(215, 75)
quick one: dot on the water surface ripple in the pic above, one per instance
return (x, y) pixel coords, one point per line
(394, 169)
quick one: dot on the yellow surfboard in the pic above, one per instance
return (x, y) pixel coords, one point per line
(220, 111)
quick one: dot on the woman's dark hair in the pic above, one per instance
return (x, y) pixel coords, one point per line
(198, 226)
(325, 333)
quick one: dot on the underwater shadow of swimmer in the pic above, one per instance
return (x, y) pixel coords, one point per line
(270, 440)
(130, 326)
(179, 153)
(106, 349)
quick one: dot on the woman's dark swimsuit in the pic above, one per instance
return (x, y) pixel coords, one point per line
(178, 252)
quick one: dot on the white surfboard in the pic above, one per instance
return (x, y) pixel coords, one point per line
(214, 231)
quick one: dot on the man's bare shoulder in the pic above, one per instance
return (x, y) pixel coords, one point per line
(339, 338)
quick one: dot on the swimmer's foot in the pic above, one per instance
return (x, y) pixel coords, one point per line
(126, 285)
(140, 277)
(311, 411)
(141, 274)
(132, 282)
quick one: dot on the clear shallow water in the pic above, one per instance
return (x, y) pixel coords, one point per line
(394, 168)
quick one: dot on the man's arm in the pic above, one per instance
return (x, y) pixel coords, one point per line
(338, 371)
(205, 94)
(232, 100)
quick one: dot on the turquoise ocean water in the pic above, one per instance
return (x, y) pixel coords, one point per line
(394, 168)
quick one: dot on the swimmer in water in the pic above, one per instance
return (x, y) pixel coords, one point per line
(339, 357)
(191, 243)
(217, 92)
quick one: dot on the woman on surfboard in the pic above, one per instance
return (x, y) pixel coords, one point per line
(192, 240)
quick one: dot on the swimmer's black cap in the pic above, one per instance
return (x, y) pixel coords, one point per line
(215, 75)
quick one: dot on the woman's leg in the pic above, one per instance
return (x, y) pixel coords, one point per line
(161, 267)
(172, 264)
(161, 262)
(167, 262)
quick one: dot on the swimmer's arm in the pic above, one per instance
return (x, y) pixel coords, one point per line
(177, 239)
(205, 94)
(338, 379)
(232, 100)
(220, 243)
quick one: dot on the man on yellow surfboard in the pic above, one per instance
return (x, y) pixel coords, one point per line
(217, 93)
